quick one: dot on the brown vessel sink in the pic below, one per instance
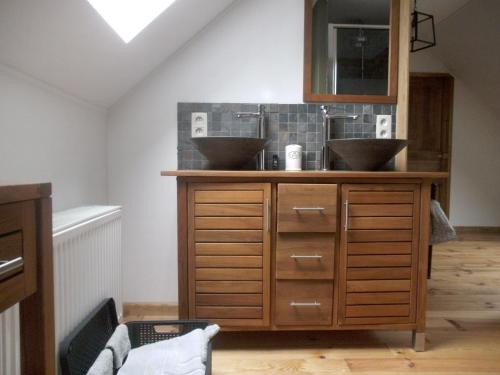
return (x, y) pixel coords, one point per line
(363, 154)
(229, 152)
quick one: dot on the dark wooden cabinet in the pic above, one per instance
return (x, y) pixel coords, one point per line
(17, 252)
(26, 271)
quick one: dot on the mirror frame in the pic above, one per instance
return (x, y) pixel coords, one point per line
(390, 98)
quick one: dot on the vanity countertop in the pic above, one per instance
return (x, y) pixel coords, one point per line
(307, 174)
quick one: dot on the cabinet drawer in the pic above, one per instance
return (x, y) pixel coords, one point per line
(17, 252)
(304, 256)
(11, 252)
(11, 245)
(304, 302)
(307, 207)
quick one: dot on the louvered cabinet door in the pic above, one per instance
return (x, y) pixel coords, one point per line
(379, 254)
(229, 260)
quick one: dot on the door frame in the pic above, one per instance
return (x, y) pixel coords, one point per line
(449, 88)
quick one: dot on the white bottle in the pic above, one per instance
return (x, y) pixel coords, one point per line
(293, 157)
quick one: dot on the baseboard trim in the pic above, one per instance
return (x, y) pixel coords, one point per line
(478, 233)
(461, 230)
(150, 309)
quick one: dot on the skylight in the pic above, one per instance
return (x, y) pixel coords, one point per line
(129, 17)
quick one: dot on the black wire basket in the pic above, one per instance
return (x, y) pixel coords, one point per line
(82, 347)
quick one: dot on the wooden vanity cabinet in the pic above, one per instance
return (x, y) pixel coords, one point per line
(229, 253)
(307, 251)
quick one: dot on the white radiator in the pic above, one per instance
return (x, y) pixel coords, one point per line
(9, 342)
(87, 269)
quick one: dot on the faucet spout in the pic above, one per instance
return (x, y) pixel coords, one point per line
(325, 150)
(260, 115)
(341, 116)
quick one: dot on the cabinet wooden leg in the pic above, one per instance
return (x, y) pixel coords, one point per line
(418, 339)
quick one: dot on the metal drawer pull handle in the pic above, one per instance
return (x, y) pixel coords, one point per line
(268, 215)
(306, 256)
(346, 224)
(308, 208)
(7, 266)
(305, 304)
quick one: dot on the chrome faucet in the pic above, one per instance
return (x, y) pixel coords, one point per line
(325, 150)
(260, 115)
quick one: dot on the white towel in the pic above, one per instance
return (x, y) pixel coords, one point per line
(182, 355)
(103, 365)
(441, 229)
(119, 343)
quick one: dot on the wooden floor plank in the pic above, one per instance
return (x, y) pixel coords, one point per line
(463, 330)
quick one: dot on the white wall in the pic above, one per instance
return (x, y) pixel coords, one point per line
(475, 160)
(251, 53)
(46, 136)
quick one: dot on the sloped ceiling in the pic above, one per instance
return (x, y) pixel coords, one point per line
(67, 44)
(468, 41)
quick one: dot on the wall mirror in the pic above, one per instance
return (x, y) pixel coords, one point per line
(351, 51)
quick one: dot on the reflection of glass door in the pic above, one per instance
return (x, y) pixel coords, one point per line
(358, 58)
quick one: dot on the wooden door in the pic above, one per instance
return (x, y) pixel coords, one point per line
(378, 270)
(429, 128)
(229, 253)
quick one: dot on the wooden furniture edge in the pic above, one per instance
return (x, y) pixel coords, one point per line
(37, 311)
(18, 193)
(403, 102)
(419, 332)
(320, 175)
(182, 249)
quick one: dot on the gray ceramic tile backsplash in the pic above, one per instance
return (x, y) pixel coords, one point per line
(286, 124)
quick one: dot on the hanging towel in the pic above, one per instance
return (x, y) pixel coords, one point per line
(182, 355)
(119, 344)
(103, 365)
(441, 229)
